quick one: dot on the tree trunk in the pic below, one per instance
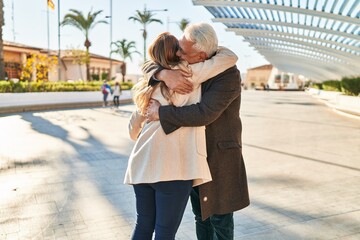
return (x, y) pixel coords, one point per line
(123, 71)
(144, 36)
(88, 76)
(87, 44)
(2, 65)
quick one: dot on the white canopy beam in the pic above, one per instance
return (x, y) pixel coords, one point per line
(286, 24)
(267, 6)
(259, 32)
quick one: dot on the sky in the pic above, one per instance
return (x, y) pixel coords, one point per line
(26, 23)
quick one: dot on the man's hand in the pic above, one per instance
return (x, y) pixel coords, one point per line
(152, 111)
(176, 80)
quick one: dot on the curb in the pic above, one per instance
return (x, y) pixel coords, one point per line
(37, 107)
(331, 99)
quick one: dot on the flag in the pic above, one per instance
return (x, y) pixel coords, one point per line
(51, 5)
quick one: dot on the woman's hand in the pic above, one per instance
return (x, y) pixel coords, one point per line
(152, 111)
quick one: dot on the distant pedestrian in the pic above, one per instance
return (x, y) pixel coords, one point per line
(116, 94)
(267, 87)
(105, 90)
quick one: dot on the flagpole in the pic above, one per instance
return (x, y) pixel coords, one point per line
(48, 29)
(111, 21)
(59, 60)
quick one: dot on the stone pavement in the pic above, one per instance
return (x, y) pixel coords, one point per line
(22, 102)
(61, 172)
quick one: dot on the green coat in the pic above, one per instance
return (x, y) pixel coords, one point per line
(219, 112)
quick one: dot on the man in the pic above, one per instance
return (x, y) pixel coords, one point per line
(214, 202)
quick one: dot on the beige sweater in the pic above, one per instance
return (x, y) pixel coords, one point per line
(180, 155)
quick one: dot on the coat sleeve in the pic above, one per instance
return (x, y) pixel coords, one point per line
(136, 124)
(149, 69)
(222, 60)
(220, 93)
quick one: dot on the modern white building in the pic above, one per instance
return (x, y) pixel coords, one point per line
(269, 77)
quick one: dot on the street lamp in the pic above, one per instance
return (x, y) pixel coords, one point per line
(145, 18)
(59, 45)
(155, 10)
(110, 21)
(168, 24)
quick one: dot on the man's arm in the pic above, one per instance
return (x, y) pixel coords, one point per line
(222, 60)
(223, 90)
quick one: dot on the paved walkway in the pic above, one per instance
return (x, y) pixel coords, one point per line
(22, 102)
(61, 172)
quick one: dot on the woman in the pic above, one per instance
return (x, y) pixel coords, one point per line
(163, 168)
(116, 94)
(105, 90)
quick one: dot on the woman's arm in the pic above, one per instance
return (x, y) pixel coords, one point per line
(222, 60)
(175, 80)
(136, 124)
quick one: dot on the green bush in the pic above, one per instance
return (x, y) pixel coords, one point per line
(95, 77)
(104, 76)
(40, 86)
(317, 86)
(332, 85)
(17, 87)
(351, 85)
(5, 87)
(126, 85)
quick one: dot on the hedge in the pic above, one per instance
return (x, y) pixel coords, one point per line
(332, 85)
(351, 86)
(25, 86)
(348, 85)
(317, 86)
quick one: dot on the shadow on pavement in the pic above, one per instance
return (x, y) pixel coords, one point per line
(304, 157)
(91, 179)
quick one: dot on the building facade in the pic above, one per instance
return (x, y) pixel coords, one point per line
(269, 77)
(16, 55)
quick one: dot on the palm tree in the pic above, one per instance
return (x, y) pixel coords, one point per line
(2, 66)
(84, 24)
(145, 18)
(183, 24)
(125, 49)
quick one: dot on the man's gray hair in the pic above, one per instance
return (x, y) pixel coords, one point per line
(204, 36)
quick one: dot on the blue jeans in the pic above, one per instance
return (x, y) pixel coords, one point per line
(216, 227)
(160, 207)
(105, 96)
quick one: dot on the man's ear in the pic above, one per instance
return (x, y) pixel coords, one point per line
(203, 56)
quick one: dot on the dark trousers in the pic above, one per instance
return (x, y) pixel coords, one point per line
(216, 227)
(116, 101)
(160, 207)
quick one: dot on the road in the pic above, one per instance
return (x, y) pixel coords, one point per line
(61, 172)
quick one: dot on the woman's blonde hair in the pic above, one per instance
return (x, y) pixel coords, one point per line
(163, 52)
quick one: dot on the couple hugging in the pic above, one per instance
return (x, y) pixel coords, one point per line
(188, 137)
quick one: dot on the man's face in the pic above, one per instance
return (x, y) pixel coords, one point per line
(188, 53)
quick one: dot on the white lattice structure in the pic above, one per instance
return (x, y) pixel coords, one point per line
(319, 39)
